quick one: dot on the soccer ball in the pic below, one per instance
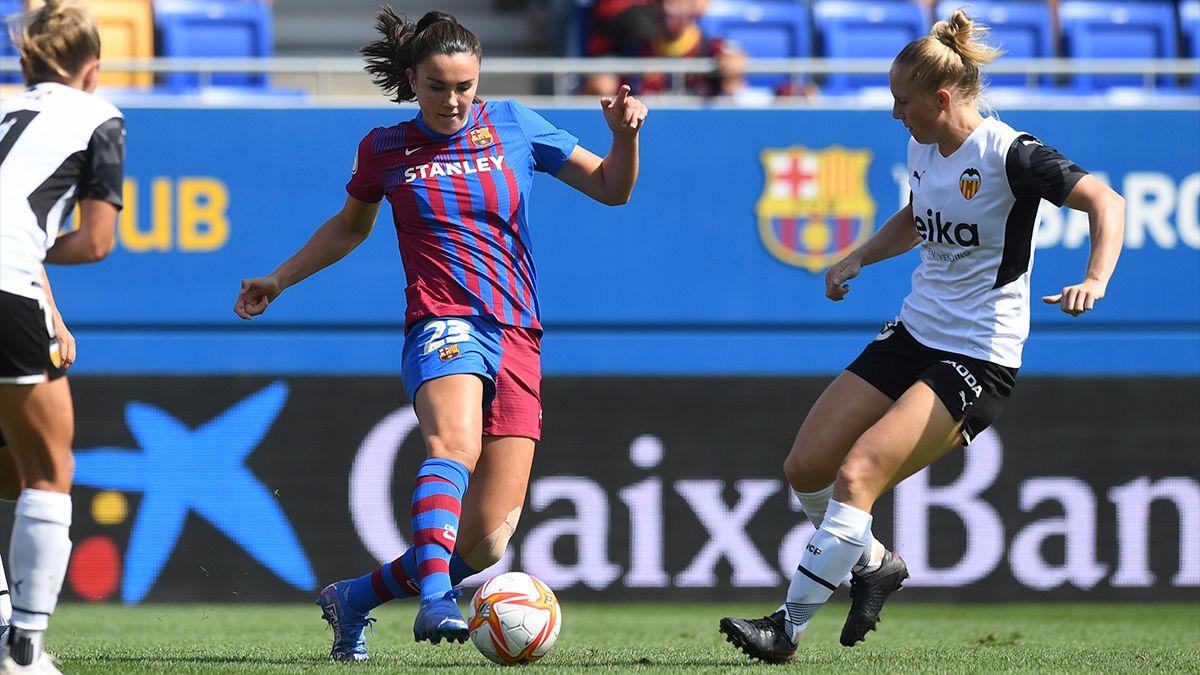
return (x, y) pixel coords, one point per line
(514, 618)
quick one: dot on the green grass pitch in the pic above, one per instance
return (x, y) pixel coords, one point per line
(641, 638)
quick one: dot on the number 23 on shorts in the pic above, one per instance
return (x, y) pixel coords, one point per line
(444, 332)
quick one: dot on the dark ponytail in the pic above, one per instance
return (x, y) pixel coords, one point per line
(406, 44)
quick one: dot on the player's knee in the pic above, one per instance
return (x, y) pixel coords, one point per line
(460, 448)
(806, 472)
(491, 548)
(859, 477)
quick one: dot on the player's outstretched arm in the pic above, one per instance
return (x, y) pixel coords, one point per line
(330, 243)
(610, 180)
(1106, 222)
(92, 240)
(898, 235)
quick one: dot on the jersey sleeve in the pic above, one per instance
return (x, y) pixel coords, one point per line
(104, 171)
(551, 145)
(1037, 170)
(364, 182)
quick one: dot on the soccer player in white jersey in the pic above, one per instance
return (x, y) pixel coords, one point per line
(941, 372)
(59, 145)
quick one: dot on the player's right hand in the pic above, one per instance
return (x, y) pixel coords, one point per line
(836, 277)
(255, 295)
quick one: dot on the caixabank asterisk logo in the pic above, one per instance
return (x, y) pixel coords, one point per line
(177, 471)
(815, 207)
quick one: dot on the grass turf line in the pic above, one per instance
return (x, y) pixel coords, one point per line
(642, 638)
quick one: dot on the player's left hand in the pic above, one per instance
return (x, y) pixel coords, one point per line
(66, 341)
(624, 113)
(1079, 298)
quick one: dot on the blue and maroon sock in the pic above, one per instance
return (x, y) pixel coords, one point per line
(436, 505)
(398, 579)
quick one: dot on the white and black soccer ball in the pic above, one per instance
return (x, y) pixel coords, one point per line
(514, 618)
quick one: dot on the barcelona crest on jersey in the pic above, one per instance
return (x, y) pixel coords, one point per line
(815, 206)
(480, 137)
(969, 182)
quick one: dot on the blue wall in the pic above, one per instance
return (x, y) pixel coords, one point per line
(680, 281)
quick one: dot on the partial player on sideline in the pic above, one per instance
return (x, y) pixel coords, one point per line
(59, 145)
(942, 371)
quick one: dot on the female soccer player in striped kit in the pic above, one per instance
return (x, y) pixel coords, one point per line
(59, 145)
(941, 373)
(458, 177)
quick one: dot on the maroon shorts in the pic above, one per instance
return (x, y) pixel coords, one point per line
(517, 408)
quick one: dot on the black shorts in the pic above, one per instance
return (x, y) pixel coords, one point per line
(974, 391)
(28, 348)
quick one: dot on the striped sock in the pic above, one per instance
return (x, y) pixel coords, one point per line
(398, 579)
(436, 504)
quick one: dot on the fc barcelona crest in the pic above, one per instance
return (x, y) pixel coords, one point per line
(969, 182)
(815, 206)
(480, 137)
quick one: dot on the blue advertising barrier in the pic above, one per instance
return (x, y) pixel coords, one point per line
(714, 267)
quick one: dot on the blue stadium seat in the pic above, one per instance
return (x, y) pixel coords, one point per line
(1189, 25)
(1022, 29)
(1189, 22)
(9, 9)
(859, 29)
(772, 29)
(214, 29)
(1104, 29)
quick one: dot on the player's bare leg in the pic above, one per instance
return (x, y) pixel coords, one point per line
(38, 423)
(843, 413)
(491, 509)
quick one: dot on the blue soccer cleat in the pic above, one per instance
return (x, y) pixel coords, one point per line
(440, 618)
(349, 626)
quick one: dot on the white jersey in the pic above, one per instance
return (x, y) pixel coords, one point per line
(975, 211)
(58, 145)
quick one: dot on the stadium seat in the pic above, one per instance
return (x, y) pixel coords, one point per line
(862, 29)
(773, 29)
(214, 29)
(126, 34)
(1189, 25)
(1104, 29)
(8, 51)
(1189, 22)
(1022, 29)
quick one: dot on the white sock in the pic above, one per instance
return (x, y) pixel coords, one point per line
(871, 558)
(814, 505)
(5, 601)
(40, 549)
(827, 559)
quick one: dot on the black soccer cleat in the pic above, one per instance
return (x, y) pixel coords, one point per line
(867, 595)
(765, 639)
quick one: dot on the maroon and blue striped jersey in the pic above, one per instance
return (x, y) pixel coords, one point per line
(460, 204)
